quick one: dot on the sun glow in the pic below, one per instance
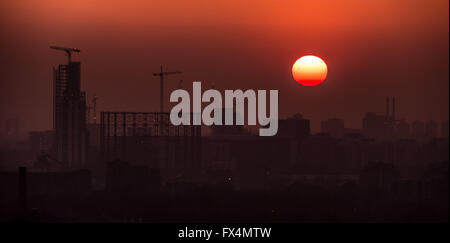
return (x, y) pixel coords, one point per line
(309, 70)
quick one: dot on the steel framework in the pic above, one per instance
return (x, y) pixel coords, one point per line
(141, 135)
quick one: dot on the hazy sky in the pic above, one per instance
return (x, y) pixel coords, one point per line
(372, 48)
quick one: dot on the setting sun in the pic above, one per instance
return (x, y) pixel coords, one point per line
(309, 70)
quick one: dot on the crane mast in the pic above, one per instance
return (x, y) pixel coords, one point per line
(161, 75)
(94, 102)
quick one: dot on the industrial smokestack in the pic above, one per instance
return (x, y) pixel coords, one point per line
(23, 191)
(393, 108)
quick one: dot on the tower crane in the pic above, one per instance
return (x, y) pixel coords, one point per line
(68, 50)
(161, 75)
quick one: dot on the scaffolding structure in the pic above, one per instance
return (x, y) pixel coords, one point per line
(69, 116)
(150, 138)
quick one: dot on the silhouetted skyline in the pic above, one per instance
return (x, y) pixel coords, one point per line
(87, 139)
(373, 49)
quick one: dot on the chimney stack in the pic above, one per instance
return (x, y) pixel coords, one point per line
(23, 191)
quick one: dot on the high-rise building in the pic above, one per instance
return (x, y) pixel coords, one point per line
(69, 121)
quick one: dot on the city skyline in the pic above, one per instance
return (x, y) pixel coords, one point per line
(291, 111)
(383, 47)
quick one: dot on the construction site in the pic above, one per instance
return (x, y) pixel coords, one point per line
(140, 138)
(121, 164)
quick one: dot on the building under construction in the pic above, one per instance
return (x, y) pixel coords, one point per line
(69, 114)
(148, 138)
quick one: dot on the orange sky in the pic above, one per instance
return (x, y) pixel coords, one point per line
(352, 15)
(391, 47)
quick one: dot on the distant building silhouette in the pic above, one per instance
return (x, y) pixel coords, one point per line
(11, 132)
(382, 126)
(222, 130)
(72, 183)
(418, 130)
(353, 133)
(123, 178)
(12, 128)
(42, 141)
(69, 120)
(294, 126)
(94, 134)
(334, 127)
(431, 129)
(136, 137)
(402, 129)
(376, 126)
(378, 180)
(444, 129)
